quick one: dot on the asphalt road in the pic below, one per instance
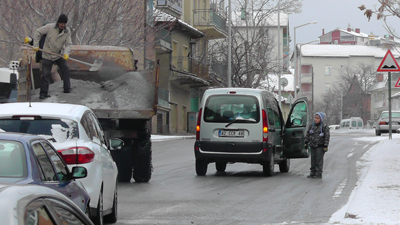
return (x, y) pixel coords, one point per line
(241, 195)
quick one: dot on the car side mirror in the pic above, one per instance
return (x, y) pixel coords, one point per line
(116, 143)
(78, 172)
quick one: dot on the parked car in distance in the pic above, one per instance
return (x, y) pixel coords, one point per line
(77, 135)
(334, 127)
(30, 159)
(246, 125)
(382, 125)
(33, 204)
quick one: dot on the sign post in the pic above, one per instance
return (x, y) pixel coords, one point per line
(389, 64)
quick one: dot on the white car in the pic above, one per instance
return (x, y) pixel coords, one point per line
(77, 135)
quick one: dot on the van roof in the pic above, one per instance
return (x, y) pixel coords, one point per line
(238, 91)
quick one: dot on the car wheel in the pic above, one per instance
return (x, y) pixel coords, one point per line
(201, 167)
(220, 166)
(268, 166)
(98, 219)
(112, 218)
(377, 133)
(284, 166)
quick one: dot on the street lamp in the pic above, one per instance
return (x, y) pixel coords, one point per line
(295, 59)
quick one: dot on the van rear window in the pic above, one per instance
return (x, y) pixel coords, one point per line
(227, 108)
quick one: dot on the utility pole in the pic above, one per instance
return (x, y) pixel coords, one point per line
(229, 44)
(279, 55)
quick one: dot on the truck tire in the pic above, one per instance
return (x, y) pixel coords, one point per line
(142, 167)
(124, 164)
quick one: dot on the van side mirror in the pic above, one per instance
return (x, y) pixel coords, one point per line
(13, 81)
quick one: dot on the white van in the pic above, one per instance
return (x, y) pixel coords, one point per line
(8, 86)
(352, 123)
(246, 125)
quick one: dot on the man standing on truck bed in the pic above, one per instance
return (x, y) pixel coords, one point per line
(58, 41)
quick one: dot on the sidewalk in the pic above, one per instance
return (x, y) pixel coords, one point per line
(376, 197)
(156, 138)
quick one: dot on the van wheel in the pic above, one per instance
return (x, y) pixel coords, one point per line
(268, 166)
(284, 166)
(377, 133)
(220, 166)
(201, 167)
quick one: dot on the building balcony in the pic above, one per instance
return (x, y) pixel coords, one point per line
(211, 23)
(163, 42)
(172, 7)
(190, 66)
(306, 78)
(381, 105)
(163, 97)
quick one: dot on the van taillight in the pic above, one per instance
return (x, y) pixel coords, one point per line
(265, 126)
(198, 125)
(77, 155)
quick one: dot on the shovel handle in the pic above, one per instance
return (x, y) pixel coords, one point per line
(52, 53)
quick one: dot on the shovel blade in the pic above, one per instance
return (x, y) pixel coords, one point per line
(96, 65)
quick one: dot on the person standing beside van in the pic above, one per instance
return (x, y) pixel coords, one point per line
(317, 139)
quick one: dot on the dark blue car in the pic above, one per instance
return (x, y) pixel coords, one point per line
(31, 159)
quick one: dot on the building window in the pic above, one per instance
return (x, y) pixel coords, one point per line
(327, 88)
(328, 70)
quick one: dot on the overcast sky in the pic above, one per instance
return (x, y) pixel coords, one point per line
(332, 14)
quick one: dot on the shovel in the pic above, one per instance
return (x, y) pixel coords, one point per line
(97, 64)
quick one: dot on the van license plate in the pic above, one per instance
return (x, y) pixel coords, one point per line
(226, 133)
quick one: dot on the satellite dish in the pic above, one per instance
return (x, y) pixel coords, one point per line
(284, 82)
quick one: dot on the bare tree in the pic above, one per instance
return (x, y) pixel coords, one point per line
(253, 42)
(384, 10)
(102, 22)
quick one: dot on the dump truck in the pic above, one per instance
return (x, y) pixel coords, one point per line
(123, 98)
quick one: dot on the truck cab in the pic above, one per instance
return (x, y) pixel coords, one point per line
(8, 83)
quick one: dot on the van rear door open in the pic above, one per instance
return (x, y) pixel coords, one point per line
(295, 128)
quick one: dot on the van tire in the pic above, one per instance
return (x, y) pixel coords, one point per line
(220, 166)
(377, 133)
(284, 166)
(201, 167)
(268, 166)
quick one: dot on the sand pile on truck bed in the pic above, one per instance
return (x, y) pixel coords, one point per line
(130, 91)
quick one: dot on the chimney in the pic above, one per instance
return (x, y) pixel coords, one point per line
(323, 31)
(349, 29)
(379, 77)
(357, 30)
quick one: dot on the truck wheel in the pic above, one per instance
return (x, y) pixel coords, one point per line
(142, 167)
(125, 164)
(284, 166)
(268, 166)
(201, 167)
(220, 166)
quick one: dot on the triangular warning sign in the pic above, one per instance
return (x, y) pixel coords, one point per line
(397, 83)
(388, 64)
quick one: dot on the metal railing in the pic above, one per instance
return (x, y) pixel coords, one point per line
(164, 38)
(190, 65)
(209, 17)
(163, 97)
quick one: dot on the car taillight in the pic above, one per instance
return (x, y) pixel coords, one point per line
(265, 127)
(382, 123)
(77, 155)
(198, 125)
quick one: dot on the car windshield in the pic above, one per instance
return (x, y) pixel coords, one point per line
(394, 114)
(55, 130)
(228, 108)
(12, 159)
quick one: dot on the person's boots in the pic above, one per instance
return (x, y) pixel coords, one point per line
(318, 176)
(311, 175)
